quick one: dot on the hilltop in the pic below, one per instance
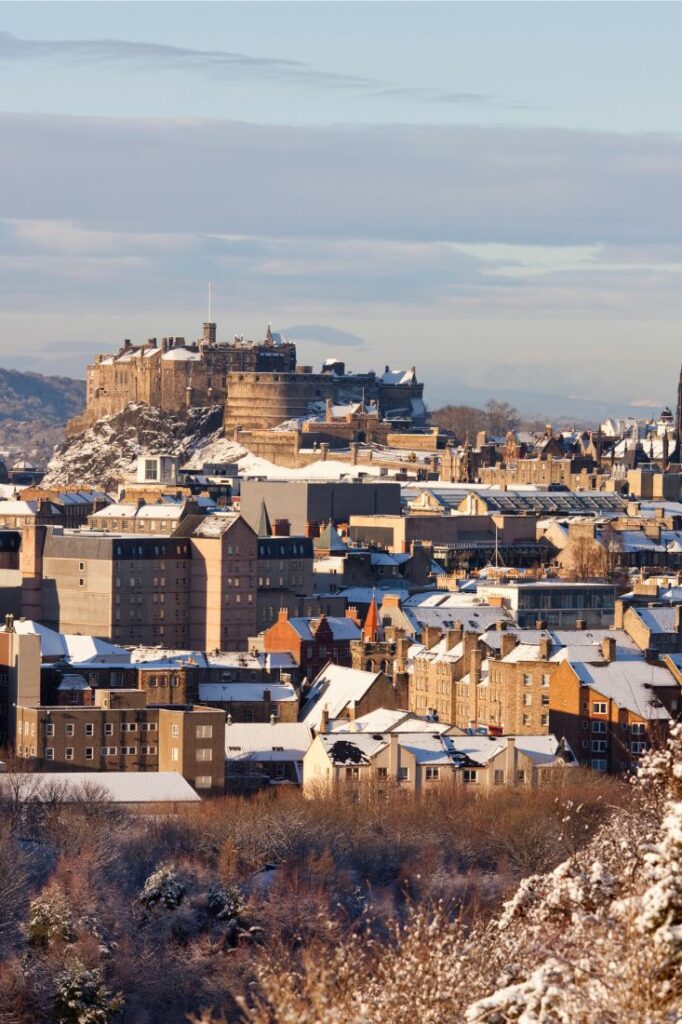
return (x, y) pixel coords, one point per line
(33, 411)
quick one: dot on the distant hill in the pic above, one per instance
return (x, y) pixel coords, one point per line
(33, 411)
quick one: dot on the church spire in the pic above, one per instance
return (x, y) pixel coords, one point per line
(371, 629)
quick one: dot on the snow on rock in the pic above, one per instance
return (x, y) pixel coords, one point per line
(110, 448)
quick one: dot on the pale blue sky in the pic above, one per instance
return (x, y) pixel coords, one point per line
(490, 190)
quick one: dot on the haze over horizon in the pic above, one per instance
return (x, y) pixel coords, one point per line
(486, 203)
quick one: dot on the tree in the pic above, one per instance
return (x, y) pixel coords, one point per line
(501, 417)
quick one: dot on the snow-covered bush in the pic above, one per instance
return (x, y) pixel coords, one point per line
(165, 887)
(49, 919)
(81, 997)
(225, 902)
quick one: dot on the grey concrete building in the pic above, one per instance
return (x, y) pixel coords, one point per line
(303, 502)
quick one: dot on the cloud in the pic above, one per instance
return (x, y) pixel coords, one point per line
(432, 184)
(324, 335)
(219, 64)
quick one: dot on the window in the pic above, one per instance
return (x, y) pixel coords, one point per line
(149, 748)
(175, 730)
(68, 753)
(148, 727)
(470, 775)
(526, 719)
(638, 746)
(432, 773)
(527, 699)
(527, 679)
(544, 700)
(128, 751)
(49, 753)
(49, 729)
(599, 746)
(89, 729)
(278, 772)
(544, 719)
(81, 566)
(403, 774)
(585, 724)
(108, 729)
(203, 782)
(153, 681)
(598, 764)
(545, 680)
(352, 773)
(498, 776)
(109, 751)
(175, 754)
(89, 753)
(81, 582)
(599, 727)
(174, 681)
(598, 708)
(382, 773)
(204, 732)
(69, 730)
(204, 754)
(638, 729)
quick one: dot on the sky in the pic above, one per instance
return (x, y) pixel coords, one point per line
(489, 191)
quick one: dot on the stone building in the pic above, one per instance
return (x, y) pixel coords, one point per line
(121, 732)
(173, 375)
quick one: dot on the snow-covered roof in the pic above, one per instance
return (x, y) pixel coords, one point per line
(658, 619)
(110, 787)
(181, 355)
(342, 628)
(333, 689)
(270, 741)
(216, 525)
(630, 683)
(245, 692)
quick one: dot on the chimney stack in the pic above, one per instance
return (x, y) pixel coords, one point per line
(509, 642)
(608, 648)
(545, 647)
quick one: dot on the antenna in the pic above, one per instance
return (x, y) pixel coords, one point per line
(210, 296)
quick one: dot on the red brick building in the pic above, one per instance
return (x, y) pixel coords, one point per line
(312, 642)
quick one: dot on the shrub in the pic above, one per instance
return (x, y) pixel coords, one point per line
(165, 887)
(81, 996)
(225, 902)
(49, 919)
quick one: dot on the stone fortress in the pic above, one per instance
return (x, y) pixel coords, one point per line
(261, 389)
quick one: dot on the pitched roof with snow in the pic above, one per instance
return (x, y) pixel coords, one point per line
(333, 689)
(108, 787)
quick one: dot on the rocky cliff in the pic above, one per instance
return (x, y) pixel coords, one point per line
(33, 412)
(110, 448)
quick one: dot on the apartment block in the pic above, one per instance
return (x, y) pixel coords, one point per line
(120, 732)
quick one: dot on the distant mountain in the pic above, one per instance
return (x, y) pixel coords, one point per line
(33, 412)
(536, 405)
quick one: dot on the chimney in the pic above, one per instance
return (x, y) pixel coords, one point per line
(470, 641)
(608, 648)
(580, 624)
(545, 647)
(393, 755)
(430, 636)
(324, 450)
(540, 624)
(475, 669)
(509, 642)
(501, 625)
(311, 530)
(283, 615)
(678, 618)
(282, 528)
(453, 636)
(618, 613)
(324, 720)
